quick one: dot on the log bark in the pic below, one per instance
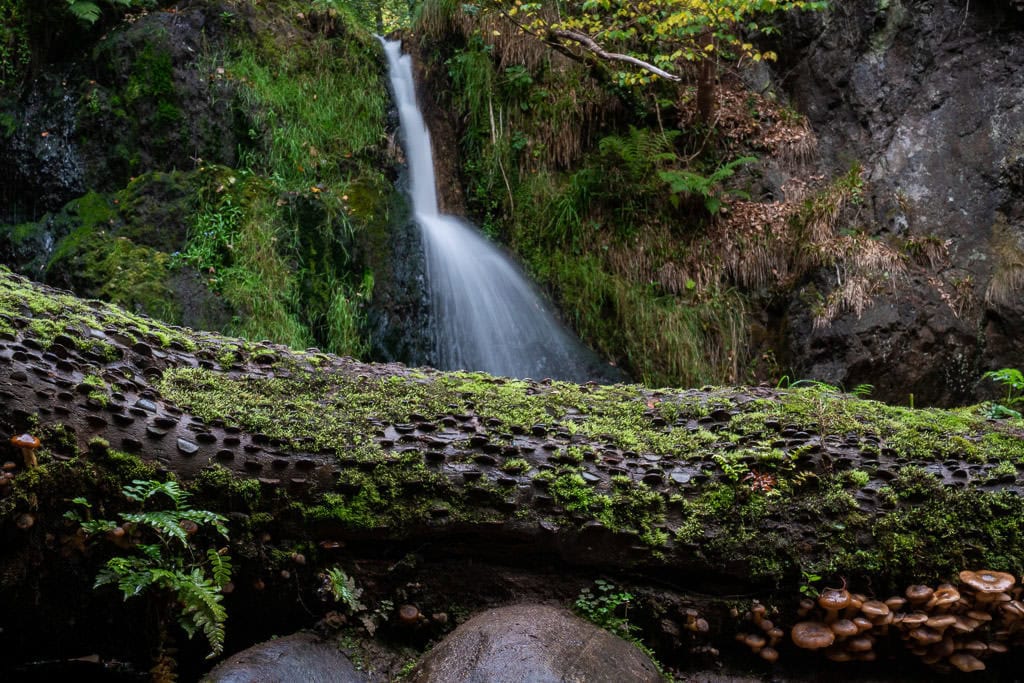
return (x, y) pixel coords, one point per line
(723, 491)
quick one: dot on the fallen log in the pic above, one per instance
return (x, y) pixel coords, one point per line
(747, 491)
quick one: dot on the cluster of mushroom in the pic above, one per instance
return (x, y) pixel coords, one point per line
(762, 644)
(948, 626)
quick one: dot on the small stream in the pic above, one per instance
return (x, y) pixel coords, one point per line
(484, 314)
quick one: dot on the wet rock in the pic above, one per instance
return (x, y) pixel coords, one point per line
(537, 643)
(298, 657)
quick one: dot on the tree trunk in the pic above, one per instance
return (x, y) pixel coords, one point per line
(528, 487)
(706, 81)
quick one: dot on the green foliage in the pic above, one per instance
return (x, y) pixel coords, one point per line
(89, 12)
(166, 560)
(707, 188)
(212, 238)
(606, 606)
(343, 589)
(15, 52)
(1013, 380)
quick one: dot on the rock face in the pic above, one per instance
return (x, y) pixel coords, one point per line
(929, 98)
(537, 643)
(302, 656)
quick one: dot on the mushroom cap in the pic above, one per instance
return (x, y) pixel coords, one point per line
(965, 624)
(769, 654)
(966, 662)
(925, 635)
(944, 595)
(812, 635)
(896, 602)
(941, 622)
(755, 641)
(860, 644)
(919, 593)
(408, 614)
(914, 619)
(863, 624)
(25, 441)
(874, 608)
(987, 581)
(845, 628)
(834, 598)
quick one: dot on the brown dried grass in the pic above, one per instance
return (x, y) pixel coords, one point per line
(1007, 283)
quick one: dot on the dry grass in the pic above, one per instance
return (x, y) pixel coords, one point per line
(1007, 283)
(863, 268)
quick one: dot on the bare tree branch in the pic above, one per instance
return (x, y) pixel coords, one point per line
(592, 46)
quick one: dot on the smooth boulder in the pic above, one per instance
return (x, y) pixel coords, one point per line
(298, 657)
(536, 643)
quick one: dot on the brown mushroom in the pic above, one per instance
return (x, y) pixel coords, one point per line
(914, 619)
(975, 647)
(862, 624)
(944, 596)
(832, 600)
(769, 654)
(844, 628)
(966, 662)
(812, 635)
(27, 444)
(987, 581)
(918, 594)
(875, 610)
(860, 644)
(941, 622)
(409, 615)
(896, 603)
(755, 641)
(925, 635)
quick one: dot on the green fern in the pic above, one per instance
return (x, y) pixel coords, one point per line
(89, 12)
(343, 589)
(162, 566)
(707, 188)
(641, 151)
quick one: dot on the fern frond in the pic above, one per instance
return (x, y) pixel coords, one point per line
(220, 567)
(202, 608)
(163, 522)
(85, 11)
(206, 517)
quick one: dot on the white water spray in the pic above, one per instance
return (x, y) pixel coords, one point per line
(485, 314)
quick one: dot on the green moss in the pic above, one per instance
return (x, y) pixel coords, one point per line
(219, 482)
(56, 314)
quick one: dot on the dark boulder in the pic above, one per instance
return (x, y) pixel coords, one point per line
(298, 657)
(538, 643)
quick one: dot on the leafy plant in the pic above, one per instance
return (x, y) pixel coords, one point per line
(89, 12)
(707, 188)
(342, 588)
(166, 560)
(1013, 380)
(606, 606)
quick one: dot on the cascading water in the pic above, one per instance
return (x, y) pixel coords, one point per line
(485, 314)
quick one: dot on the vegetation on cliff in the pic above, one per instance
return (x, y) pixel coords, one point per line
(235, 168)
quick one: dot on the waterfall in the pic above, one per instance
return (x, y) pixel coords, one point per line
(485, 315)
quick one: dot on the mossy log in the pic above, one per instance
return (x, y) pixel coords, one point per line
(751, 491)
